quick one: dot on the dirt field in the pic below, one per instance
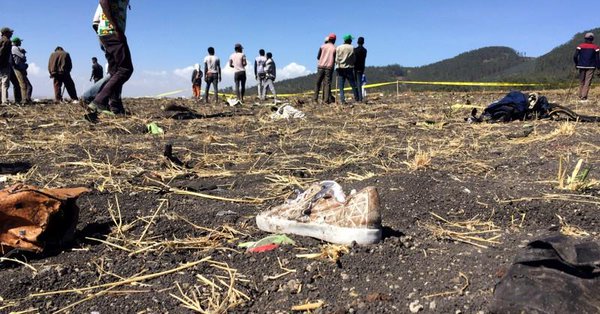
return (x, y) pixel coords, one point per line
(458, 202)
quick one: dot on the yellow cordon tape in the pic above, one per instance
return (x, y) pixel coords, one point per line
(367, 86)
(169, 93)
(469, 83)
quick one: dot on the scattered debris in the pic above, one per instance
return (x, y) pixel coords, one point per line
(308, 306)
(472, 231)
(232, 102)
(324, 212)
(226, 213)
(32, 218)
(329, 251)
(287, 112)
(520, 106)
(154, 129)
(268, 243)
(415, 307)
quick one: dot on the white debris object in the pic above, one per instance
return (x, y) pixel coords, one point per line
(287, 112)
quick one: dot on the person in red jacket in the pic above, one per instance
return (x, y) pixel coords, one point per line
(587, 60)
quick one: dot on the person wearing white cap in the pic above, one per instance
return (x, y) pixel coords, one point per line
(587, 60)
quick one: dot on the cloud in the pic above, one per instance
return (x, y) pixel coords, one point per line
(184, 73)
(155, 73)
(292, 70)
(34, 70)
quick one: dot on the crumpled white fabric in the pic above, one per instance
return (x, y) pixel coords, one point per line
(287, 112)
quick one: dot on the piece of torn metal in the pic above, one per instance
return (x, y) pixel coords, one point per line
(32, 218)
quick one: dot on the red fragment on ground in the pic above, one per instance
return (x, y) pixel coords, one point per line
(264, 248)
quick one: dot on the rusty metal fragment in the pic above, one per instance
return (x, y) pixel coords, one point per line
(32, 218)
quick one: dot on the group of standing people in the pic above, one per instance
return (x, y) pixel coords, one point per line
(348, 61)
(13, 68)
(265, 73)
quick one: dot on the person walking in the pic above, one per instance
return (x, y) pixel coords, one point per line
(20, 66)
(5, 67)
(587, 60)
(345, 59)
(238, 62)
(212, 74)
(111, 32)
(97, 71)
(360, 53)
(196, 81)
(259, 72)
(270, 75)
(59, 67)
(325, 65)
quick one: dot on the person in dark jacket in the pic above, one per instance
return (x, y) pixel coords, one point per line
(5, 67)
(59, 67)
(197, 81)
(587, 60)
(97, 71)
(360, 54)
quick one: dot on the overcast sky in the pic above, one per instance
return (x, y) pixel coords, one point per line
(168, 37)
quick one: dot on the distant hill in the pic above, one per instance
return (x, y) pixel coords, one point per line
(489, 64)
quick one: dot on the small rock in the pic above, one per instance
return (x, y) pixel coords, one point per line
(293, 286)
(432, 305)
(345, 276)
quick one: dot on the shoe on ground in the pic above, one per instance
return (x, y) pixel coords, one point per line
(94, 107)
(324, 212)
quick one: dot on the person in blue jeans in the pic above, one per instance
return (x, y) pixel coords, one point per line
(90, 94)
(345, 60)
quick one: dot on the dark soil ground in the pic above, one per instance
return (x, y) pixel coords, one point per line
(496, 181)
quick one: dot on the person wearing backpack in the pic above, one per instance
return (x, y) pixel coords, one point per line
(19, 64)
(587, 60)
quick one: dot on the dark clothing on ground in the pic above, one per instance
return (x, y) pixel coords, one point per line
(97, 72)
(120, 70)
(240, 79)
